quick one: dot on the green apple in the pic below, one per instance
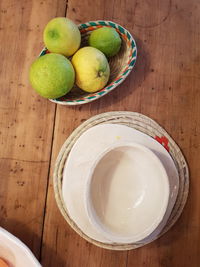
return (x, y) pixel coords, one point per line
(52, 75)
(107, 40)
(62, 36)
(92, 69)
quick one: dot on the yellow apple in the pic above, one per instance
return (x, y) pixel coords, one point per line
(91, 68)
(62, 36)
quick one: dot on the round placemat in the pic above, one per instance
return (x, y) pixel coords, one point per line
(145, 125)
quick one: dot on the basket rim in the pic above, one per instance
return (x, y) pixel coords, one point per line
(127, 68)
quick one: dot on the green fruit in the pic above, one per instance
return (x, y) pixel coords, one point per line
(52, 75)
(107, 40)
(62, 36)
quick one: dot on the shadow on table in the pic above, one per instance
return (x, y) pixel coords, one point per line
(31, 240)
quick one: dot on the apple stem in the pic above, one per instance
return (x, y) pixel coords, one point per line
(100, 73)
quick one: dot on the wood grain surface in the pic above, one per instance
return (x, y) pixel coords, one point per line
(26, 120)
(164, 86)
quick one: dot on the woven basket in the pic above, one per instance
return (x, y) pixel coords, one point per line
(120, 65)
(145, 125)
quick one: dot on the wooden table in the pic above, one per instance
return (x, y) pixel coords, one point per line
(164, 85)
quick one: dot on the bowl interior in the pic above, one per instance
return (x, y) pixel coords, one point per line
(128, 193)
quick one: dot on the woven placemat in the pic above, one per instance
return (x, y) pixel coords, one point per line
(145, 125)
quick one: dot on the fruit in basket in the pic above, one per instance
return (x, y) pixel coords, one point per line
(91, 68)
(52, 75)
(107, 40)
(62, 36)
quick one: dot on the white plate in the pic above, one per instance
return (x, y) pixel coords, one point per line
(15, 252)
(81, 157)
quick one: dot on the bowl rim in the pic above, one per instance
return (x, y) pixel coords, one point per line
(89, 207)
(127, 69)
(16, 242)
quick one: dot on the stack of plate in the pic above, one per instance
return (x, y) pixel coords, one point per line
(80, 157)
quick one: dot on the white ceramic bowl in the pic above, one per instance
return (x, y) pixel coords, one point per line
(126, 193)
(81, 159)
(15, 252)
